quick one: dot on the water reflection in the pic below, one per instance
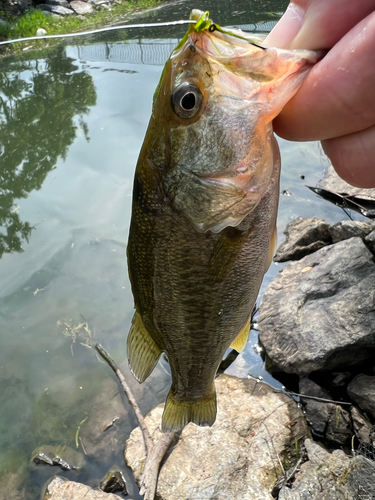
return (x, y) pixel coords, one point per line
(37, 98)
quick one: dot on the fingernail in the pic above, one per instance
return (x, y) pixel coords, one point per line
(287, 28)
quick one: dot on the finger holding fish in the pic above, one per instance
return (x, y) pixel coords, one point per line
(336, 101)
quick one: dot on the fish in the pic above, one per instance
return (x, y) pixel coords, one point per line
(205, 197)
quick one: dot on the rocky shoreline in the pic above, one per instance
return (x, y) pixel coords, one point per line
(78, 7)
(317, 328)
(57, 7)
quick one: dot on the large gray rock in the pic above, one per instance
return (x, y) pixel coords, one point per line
(332, 182)
(55, 9)
(328, 420)
(62, 489)
(62, 3)
(331, 477)
(362, 390)
(234, 459)
(81, 8)
(319, 312)
(303, 236)
(351, 228)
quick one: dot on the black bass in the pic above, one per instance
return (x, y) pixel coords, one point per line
(205, 200)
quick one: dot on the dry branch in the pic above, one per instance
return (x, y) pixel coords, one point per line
(154, 452)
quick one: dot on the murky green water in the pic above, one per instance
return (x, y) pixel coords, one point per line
(72, 120)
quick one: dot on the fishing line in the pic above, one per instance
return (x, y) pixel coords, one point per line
(100, 30)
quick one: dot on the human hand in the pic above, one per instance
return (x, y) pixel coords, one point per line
(336, 102)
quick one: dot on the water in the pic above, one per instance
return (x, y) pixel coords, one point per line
(72, 122)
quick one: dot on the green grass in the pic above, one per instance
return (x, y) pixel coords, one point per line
(30, 22)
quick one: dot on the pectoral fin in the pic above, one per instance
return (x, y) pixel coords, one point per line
(143, 353)
(178, 413)
(240, 341)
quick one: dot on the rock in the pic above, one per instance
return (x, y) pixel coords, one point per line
(236, 457)
(337, 379)
(114, 481)
(55, 9)
(317, 413)
(23, 5)
(318, 313)
(41, 458)
(370, 241)
(328, 420)
(331, 477)
(362, 390)
(362, 427)
(303, 236)
(63, 456)
(332, 182)
(3, 23)
(41, 32)
(62, 3)
(350, 228)
(81, 8)
(62, 489)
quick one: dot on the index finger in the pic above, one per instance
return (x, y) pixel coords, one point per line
(317, 24)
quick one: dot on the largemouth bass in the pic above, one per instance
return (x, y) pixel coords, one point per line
(205, 197)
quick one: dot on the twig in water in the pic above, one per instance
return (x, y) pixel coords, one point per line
(78, 429)
(146, 435)
(83, 446)
(154, 452)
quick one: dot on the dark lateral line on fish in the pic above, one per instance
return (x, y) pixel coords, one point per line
(100, 30)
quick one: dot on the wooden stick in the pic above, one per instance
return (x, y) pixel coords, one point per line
(146, 435)
(150, 474)
(154, 452)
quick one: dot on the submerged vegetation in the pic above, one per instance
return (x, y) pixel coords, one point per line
(28, 24)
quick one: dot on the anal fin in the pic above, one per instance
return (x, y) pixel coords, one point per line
(143, 352)
(240, 341)
(179, 413)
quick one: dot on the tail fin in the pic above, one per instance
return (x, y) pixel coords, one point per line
(178, 413)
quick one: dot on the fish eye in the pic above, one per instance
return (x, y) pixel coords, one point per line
(187, 100)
